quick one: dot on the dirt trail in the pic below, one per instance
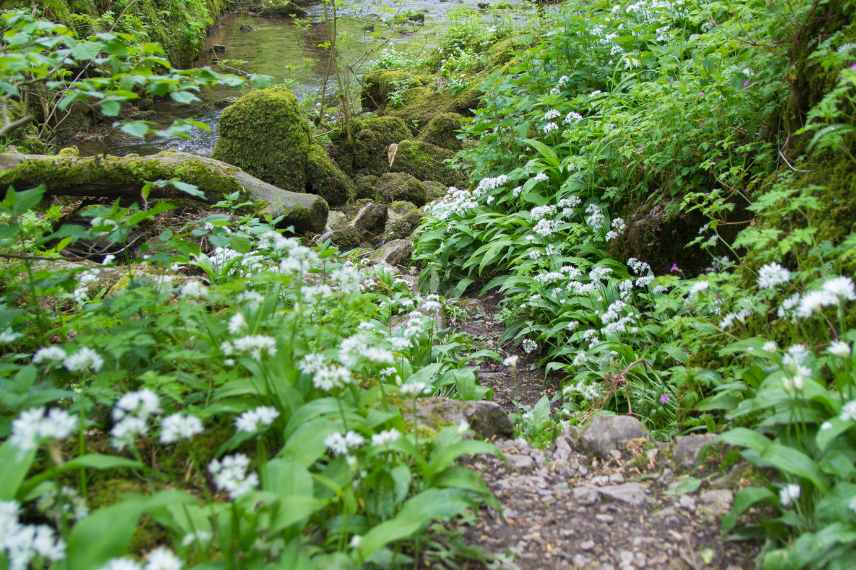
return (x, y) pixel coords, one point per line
(566, 507)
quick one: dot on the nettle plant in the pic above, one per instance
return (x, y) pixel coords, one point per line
(238, 405)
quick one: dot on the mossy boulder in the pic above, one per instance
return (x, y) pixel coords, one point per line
(265, 134)
(370, 138)
(442, 130)
(379, 83)
(326, 179)
(436, 190)
(402, 219)
(397, 186)
(423, 103)
(366, 185)
(425, 161)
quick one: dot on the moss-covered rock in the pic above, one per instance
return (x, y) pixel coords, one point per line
(402, 219)
(326, 179)
(436, 190)
(421, 104)
(425, 161)
(367, 150)
(442, 130)
(366, 185)
(265, 134)
(379, 83)
(397, 186)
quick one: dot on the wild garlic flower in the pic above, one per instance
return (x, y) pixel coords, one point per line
(595, 218)
(9, 336)
(414, 388)
(529, 345)
(348, 279)
(770, 346)
(789, 494)
(180, 426)
(254, 420)
(550, 127)
(193, 289)
(331, 377)
(572, 118)
(488, 184)
(842, 288)
(358, 347)
(545, 228)
(85, 359)
(162, 558)
(552, 114)
(122, 564)
(772, 275)
(251, 299)
(22, 544)
(237, 323)
(839, 348)
(340, 443)
(197, 537)
(254, 345)
(36, 425)
(848, 411)
(385, 437)
(736, 317)
(51, 354)
(511, 361)
(142, 403)
(230, 475)
(697, 287)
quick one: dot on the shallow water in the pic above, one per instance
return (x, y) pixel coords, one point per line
(288, 50)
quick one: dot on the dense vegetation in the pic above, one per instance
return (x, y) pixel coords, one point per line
(661, 190)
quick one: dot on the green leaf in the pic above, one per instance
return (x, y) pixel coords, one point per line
(795, 462)
(107, 532)
(15, 464)
(183, 97)
(743, 437)
(743, 501)
(111, 108)
(85, 51)
(190, 189)
(836, 427)
(684, 485)
(138, 129)
(417, 512)
(100, 462)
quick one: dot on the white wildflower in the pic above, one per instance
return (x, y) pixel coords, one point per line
(231, 475)
(697, 287)
(199, 536)
(841, 288)
(848, 411)
(789, 494)
(511, 361)
(572, 118)
(552, 114)
(813, 302)
(82, 360)
(237, 323)
(356, 540)
(251, 299)
(529, 345)
(162, 558)
(770, 346)
(340, 443)
(122, 564)
(194, 289)
(414, 388)
(254, 420)
(49, 354)
(839, 348)
(179, 426)
(9, 336)
(385, 437)
(772, 275)
(255, 345)
(36, 425)
(549, 128)
(142, 404)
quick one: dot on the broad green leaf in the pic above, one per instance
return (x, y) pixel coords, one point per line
(16, 464)
(743, 437)
(794, 462)
(743, 501)
(833, 428)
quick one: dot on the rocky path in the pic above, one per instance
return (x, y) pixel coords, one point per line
(604, 498)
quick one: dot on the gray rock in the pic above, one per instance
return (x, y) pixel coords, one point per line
(611, 433)
(689, 447)
(370, 219)
(717, 501)
(630, 493)
(395, 252)
(586, 495)
(519, 461)
(487, 419)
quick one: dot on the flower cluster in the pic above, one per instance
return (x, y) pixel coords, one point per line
(231, 475)
(131, 415)
(23, 544)
(37, 425)
(253, 421)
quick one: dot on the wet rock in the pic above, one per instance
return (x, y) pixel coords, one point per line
(611, 433)
(370, 218)
(395, 252)
(485, 418)
(630, 493)
(688, 448)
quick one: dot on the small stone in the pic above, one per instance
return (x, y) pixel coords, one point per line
(604, 518)
(616, 478)
(630, 493)
(395, 252)
(518, 461)
(718, 501)
(580, 560)
(689, 447)
(611, 433)
(587, 545)
(586, 495)
(687, 502)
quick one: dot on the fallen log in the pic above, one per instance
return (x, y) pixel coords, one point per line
(125, 176)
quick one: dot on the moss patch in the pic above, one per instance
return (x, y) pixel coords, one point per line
(379, 83)
(442, 129)
(425, 161)
(367, 150)
(397, 186)
(326, 179)
(265, 134)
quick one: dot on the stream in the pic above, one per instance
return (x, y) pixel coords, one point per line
(288, 51)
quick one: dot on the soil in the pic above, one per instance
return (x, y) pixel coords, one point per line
(565, 508)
